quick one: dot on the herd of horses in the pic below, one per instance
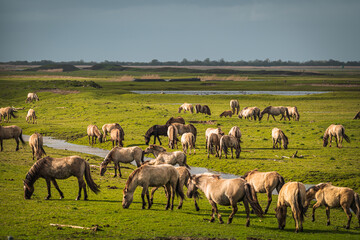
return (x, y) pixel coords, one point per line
(160, 172)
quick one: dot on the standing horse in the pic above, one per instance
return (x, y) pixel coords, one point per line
(156, 131)
(123, 155)
(186, 107)
(106, 128)
(185, 128)
(36, 144)
(209, 131)
(94, 132)
(250, 113)
(60, 168)
(9, 132)
(161, 156)
(337, 131)
(235, 132)
(188, 142)
(265, 182)
(275, 111)
(172, 135)
(175, 120)
(231, 142)
(293, 113)
(292, 194)
(226, 113)
(226, 192)
(213, 141)
(234, 104)
(31, 116)
(116, 136)
(152, 176)
(32, 97)
(202, 109)
(7, 112)
(332, 197)
(279, 136)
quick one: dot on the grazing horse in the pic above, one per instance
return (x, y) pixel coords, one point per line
(235, 132)
(332, 197)
(213, 141)
(234, 104)
(175, 120)
(292, 194)
(9, 132)
(156, 130)
(231, 142)
(36, 144)
(226, 113)
(172, 135)
(337, 131)
(152, 176)
(293, 113)
(94, 132)
(123, 155)
(32, 97)
(7, 112)
(60, 168)
(106, 128)
(278, 136)
(116, 136)
(185, 128)
(31, 116)
(226, 192)
(202, 109)
(250, 113)
(186, 107)
(265, 182)
(161, 156)
(275, 111)
(357, 116)
(188, 142)
(209, 131)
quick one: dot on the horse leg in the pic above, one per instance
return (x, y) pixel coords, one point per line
(273, 142)
(330, 140)
(145, 189)
(234, 210)
(32, 149)
(17, 143)
(115, 167)
(172, 194)
(89, 140)
(81, 185)
(159, 139)
(274, 118)
(1, 141)
(148, 199)
(232, 153)
(213, 204)
(348, 213)
(48, 188)
(328, 215)
(168, 195)
(247, 211)
(181, 199)
(269, 195)
(152, 194)
(57, 188)
(316, 205)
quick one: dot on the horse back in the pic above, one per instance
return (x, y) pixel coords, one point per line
(62, 168)
(12, 131)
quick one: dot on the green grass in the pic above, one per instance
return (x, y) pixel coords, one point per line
(67, 116)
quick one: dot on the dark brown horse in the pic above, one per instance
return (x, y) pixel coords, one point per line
(202, 109)
(175, 120)
(156, 131)
(9, 132)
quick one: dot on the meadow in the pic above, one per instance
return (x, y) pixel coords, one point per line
(65, 110)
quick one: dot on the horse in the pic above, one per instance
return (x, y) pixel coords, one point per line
(337, 131)
(9, 132)
(156, 130)
(186, 107)
(172, 133)
(185, 175)
(123, 155)
(161, 156)
(188, 142)
(235, 132)
(185, 128)
(116, 136)
(357, 116)
(93, 131)
(175, 120)
(293, 113)
(36, 144)
(226, 192)
(275, 111)
(202, 109)
(209, 131)
(226, 113)
(106, 128)
(152, 176)
(31, 116)
(228, 141)
(60, 168)
(213, 142)
(32, 97)
(292, 194)
(332, 197)
(234, 104)
(250, 113)
(7, 112)
(264, 182)
(279, 136)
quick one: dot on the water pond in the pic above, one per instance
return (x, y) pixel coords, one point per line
(284, 93)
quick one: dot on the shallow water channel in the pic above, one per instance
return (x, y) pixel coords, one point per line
(285, 93)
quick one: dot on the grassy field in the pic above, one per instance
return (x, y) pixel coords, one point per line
(66, 112)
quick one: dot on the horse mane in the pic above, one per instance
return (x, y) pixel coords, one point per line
(33, 173)
(149, 131)
(157, 148)
(248, 173)
(267, 108)
(131, 176)
(284, 136)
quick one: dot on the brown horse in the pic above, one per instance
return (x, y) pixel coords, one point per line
(152, 176)
(292, 194)
(235, 132)
(213, 142)
(226, 113)
(279, 136)
(333, 197)
(172, 135)
(60, 168)
(156, 131)
(106, 128)
(231, 142)
(123, 155)
(226, 192)
(161, 156)
(234, 104)
(116, 137)
(203, 109)
(265, 182)
(275, 111)
(175, 120)
(36, 144)
(250, 113)
(32, 97)
(7, 112)
(209, 131)
(31, 116)
(337, 131)
(94, 132)
(9, 132)
(188, 142)
(294, 113)
(357, 116)
(186, 107)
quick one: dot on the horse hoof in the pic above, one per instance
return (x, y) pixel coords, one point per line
(347, 227)
(179, 207)
(197, 209)
(328, 223)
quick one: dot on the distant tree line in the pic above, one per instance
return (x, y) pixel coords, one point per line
(205, 62)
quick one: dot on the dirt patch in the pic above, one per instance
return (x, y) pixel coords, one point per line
(59, 91)
(211, 122)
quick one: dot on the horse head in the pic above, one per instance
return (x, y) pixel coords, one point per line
(127, 198)
(325, 139)
(280, 213)
(28, 190)
(192, 188)
(180, 108)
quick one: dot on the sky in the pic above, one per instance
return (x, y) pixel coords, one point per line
(171, 30)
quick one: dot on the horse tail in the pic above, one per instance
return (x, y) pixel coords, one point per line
(355, 205)
(12, 114)
(142, 156)
(187, 166)
(287, 113)
(178, 189)
(280, 183)
(223, 147)
(90, 182)
(344, 135)
(298, 205)
(21, 139)
(251, 197)
(297, 115)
